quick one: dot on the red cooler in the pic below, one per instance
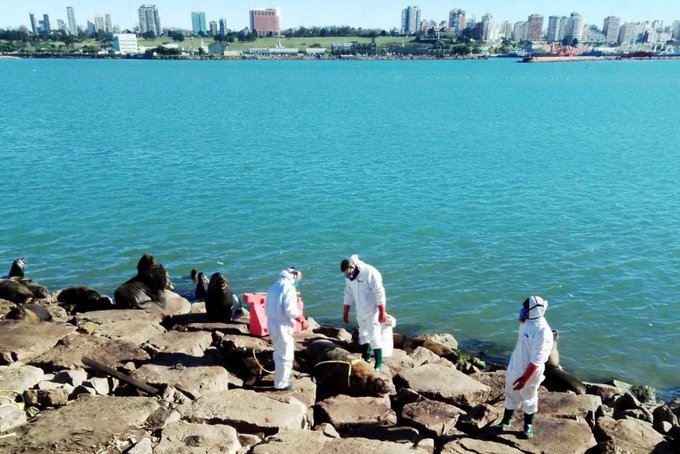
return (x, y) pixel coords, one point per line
(258, 319)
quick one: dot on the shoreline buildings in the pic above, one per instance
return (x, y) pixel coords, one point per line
(265, 21)
(149, 20)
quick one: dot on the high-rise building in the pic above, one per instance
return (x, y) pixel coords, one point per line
(71, 17)
(35, 27)
(410, 20)
(223, 26)
(265, 21)
(45, 25)
(61, 25)
(520, 31)
(574, 28)
(108, 26)
(198, 24)
(535, 28)
(610, 28)
(212, 26)
(99, 24)
(149, 20)
(457, 21)
(556, 26)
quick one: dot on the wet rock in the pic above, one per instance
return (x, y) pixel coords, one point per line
(22, 341)
(446, 384)
(188, 438)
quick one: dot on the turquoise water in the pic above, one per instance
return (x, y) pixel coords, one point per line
(470, 185)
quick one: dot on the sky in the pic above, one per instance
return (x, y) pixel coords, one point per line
(384, 14)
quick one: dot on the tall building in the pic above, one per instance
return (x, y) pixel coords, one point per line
(198, 24)
(574, 28)
(610, 29)
(35, 27)
(45, 25)
(61, 25)
(212, 26)
(535, 28)
(410, 20)
(125, 43)
(555, 31)
(71, 17)
(457, 21)
(265, 21)
(108, 26)
(149, 20)
(99, 24)
(223, 26)
(520, 31)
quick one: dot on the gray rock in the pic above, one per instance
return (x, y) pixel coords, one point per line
(190, 343)
(475, 446)
(663, 413)
(247, 411)
(567, 405)
(365, 445)
(101, 385)
(133, 325)
(443, 383)
(439, 342)
(74, 377)
(142, 447)
(68, 353)
(86, 425)
(422, 355)
(551, 435)
(43, 398)
(432, 418)
(193, 381)
(606, 392)
(398, 361)
(18, 377)
(189, 438)
(22, 340)
(629, 435)
(345, 412)
(11, 417)
(293, 441)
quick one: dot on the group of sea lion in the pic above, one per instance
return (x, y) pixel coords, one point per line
(221, 304)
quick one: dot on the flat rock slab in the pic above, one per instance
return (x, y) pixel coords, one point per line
(188, 438)
(225, 328)
(24, 340)
(567, 405)
(474, 446)
(345, 413)
(134, 325)
(551, 435)
(235, 343)
(304, 391)
(432, 418)
(630, 435)
(175, 305)
(247, 411)
(366, 445)
(191, 343)
(68, 352)
(18, 378)
(194, 381)
(293, 441)
(86, 425)
(443, 383)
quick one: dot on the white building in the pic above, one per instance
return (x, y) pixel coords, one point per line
(125, 43)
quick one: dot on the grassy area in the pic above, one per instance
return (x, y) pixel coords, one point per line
(296, 43)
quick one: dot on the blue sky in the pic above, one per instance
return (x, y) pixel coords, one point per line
(383, 14)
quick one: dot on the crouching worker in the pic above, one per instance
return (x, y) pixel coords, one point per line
(527, 363)
(282, 313)
(364, 287)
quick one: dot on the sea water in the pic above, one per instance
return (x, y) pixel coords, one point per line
(469, 184)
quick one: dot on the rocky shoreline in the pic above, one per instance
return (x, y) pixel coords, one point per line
(168, 380)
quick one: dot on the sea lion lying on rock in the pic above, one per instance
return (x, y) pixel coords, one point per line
(337, 371)
(31, 312)
(556, 378)
(221, 304)
(80, 298)
(19, 290)
(148, 286)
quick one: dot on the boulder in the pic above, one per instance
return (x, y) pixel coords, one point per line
(567, 405)
(442, 383)
(432, 418)
(346, 413)
(188, 438)
(191, 343)
(365, 445)
(550, 435)
(11, 417)
(134, 325)
(293, 441)
(247, 411)
(193, 381)
(422, 355)
(67, 354)
(23, 340)
(475, 446)
(629, 435)
(19, 377)
(43, 398)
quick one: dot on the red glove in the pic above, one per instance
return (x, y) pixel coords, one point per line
(382, 316)
(521, 381)
(345, 314)
(303, 323)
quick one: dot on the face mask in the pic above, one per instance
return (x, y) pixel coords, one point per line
(348, 276)
(525, 310)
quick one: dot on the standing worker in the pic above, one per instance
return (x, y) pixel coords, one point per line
(527, 363)
(282, 313)
(363, 285)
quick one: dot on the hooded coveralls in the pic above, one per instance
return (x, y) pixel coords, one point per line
(367, 292)
(534, 344)
(282, 310)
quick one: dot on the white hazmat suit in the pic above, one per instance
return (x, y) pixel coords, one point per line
(367, 293)
(281, 310)
(534, 344)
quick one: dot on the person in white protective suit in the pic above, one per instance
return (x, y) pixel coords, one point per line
(527, 364)
(364, 288)
(282, 312)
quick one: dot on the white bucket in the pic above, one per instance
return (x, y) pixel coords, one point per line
(387, 338)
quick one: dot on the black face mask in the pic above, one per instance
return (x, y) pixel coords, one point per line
(353, 275)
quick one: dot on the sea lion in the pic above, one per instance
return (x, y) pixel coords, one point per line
(15, 291)
(38, 290)
(221, 304)
(201, 286)
(80, 298)
(17, 268)
(556, 378)
(31, 312)
(337, 371)
(148, 286)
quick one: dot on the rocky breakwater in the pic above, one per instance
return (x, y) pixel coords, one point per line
(167, 380)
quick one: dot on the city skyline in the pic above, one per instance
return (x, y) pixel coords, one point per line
(382, 14)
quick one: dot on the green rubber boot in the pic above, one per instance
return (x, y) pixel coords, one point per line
(528, 431)
(378, 359)
(505, 422)
(366, 352)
